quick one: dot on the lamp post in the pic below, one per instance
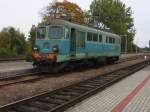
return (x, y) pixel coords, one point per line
(149, 45)
(126, 43)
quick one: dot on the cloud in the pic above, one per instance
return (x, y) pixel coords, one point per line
(23, 13)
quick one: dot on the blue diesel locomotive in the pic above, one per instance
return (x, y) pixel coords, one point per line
(63, 43)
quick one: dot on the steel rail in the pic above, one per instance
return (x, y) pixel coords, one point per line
(6, 81)
(61, 99)
(12, 59)
(15, 80)
(34, 71)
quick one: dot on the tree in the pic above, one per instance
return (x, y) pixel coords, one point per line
(32, 35)
(31, 40)
(113, 15)
(12, 42)
(64, 9)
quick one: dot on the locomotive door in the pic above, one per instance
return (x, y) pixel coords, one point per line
(73, 42)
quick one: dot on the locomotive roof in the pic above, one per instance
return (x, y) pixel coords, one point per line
(83, 27)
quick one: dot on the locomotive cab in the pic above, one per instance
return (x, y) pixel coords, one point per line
(52, 45)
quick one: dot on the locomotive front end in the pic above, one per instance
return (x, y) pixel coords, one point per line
(49, 47)
(42, 54)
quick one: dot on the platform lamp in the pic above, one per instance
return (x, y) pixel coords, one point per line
(126, 43)
(149, 45)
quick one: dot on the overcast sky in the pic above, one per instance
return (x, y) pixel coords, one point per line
(23, 13)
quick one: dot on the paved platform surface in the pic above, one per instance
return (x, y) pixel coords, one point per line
(14, 66)
(129, 95)
(21, 65)
(130, 55)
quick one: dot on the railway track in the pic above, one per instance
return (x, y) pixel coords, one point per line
(24, 58)
(61, 99)
(131, 58)
(12, 59)
(29, 77)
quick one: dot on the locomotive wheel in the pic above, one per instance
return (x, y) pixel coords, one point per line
(59, 67)
(91, 63)
(70, 67)
(55, 68)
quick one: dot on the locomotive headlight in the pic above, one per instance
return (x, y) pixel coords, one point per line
(35, 49)
(55, 48)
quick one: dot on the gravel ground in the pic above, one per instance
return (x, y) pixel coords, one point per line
(17, 92)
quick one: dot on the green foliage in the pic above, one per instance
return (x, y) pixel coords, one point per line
(12, 42)
(31, 40)
(28, 48)
(113, 15)
(32, 36)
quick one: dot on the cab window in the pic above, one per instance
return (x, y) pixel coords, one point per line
(41, 32)
(56, 32)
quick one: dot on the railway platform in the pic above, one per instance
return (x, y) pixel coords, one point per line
(8, 66)
(14, 66)
(132, 94)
